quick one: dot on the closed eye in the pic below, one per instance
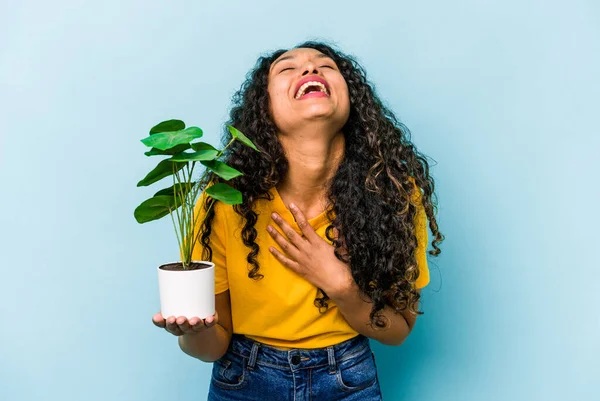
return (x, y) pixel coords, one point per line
(285, 69)
(327, 66)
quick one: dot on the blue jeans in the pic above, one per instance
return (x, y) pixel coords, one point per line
(254, 371)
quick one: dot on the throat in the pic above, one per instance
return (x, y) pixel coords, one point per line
(313, 160)
(312, 204)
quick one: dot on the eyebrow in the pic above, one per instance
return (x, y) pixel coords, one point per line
(320, 55)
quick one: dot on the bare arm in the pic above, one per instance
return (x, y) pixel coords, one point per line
(356, 307)
(314, 259)
(211, 344)
(206, 339)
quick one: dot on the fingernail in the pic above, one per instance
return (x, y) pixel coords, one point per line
(292, 206)
(275, 216)
(270, 229)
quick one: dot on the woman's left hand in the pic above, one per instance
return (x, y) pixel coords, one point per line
(310, 255)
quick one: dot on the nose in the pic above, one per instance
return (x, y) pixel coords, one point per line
(309, 68)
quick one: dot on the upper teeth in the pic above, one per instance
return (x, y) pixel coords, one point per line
(307, 85)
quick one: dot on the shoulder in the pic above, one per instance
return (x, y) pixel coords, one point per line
(203, 204)
(264, 203)
(417, 194)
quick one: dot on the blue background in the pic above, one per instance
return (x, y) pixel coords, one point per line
(502, 94)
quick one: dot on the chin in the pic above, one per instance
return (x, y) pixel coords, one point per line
(318, 111)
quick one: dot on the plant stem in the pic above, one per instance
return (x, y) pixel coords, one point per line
(179, 239)
(184, 222)
(225, 148)
(187, 220)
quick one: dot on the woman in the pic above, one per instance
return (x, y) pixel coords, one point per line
(328, 248)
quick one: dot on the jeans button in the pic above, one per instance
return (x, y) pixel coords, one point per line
(296, 359)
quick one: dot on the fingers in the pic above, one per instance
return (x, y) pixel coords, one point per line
(307, 230)
(173, 327)
(159, 321)
(287, 262)
(207, 323)
(183, 324)
(292, 242)
(179, 326)
(285, 245)
(289, 232)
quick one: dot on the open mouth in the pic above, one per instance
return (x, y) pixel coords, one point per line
(315, 87)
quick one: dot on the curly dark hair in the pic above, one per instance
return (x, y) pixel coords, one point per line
(371, 194)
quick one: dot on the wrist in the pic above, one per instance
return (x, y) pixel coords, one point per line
(207, 345)
(343, 291)
(188, 338)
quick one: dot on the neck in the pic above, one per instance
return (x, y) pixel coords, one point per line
(313, 155)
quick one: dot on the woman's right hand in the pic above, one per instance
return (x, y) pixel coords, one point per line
(181, 325)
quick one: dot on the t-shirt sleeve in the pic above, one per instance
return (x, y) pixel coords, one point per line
(218, 243)
(422, 240)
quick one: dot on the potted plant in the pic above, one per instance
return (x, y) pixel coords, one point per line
(186, 287)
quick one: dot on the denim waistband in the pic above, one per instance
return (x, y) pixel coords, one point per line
(297, 358)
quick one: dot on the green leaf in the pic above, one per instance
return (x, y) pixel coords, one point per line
(197, 146)
(154, 208)
(224, 193)
(241, 137)
(167, 140)
(201, 155)
(162, 203)
(180, 188)
(164, 169)
(222, 170)
(167, 126)
(171, 151)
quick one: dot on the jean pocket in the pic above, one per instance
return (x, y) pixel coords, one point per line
(230, 372)
(357, 373)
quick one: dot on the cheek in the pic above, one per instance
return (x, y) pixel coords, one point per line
(277, 99)
(344, 94)
(339, 84)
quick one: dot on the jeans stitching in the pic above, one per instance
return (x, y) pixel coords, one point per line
(347, 388)
(345, 357)
(228, 386)
(353, 354)
(309, 384)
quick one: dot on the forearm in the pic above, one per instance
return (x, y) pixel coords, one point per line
(356, 308)
(208, 345)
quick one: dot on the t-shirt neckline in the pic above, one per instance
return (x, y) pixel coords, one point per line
(280, 207)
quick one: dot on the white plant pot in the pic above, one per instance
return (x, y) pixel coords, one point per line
(189, 293)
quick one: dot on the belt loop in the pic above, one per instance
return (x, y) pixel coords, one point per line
(331, 360)
(253, 355)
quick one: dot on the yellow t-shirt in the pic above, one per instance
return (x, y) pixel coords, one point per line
(279, 309)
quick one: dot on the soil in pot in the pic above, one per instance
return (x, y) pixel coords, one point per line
(178, 266)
